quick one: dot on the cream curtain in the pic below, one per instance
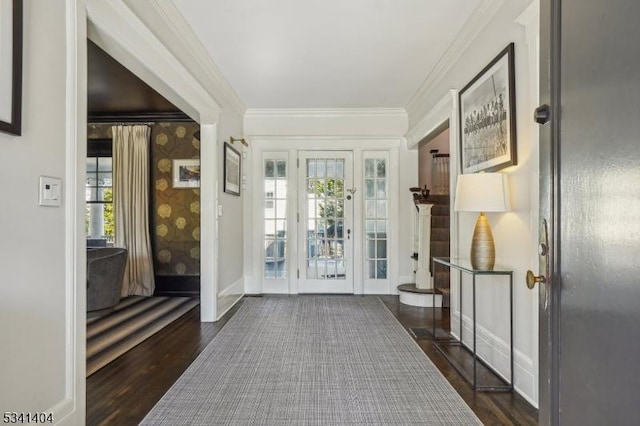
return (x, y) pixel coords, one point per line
(131, 206)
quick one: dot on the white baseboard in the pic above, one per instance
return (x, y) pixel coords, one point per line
(274, 287)
(234, 289)
(495, 352)
(65, 413)
(254, 286)
(251, 286)
(376, 287)
(525, 380)
(229, 296)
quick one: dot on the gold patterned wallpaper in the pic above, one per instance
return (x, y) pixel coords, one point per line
(175, 212)
(176, 218)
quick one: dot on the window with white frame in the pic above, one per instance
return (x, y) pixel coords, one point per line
(99, 220)
(376, 200)
(275, 218)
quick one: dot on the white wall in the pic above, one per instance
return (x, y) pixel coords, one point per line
(230, 224)
(515, 232)
(37, 313)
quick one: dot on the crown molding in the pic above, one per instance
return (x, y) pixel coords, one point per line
(328, 121)
(325, 142)
(531, 15)
(440, 113)
(474, 25)
(167, 23)
(395, 141)
(326, 112)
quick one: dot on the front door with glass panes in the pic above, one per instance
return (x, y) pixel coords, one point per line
(325, 249)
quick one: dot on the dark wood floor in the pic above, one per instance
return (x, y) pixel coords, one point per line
(492, 408)
(125, 390)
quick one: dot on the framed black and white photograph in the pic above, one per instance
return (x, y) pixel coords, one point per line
(487, 117)
(11, 66)
(186, 173)
(231, 170)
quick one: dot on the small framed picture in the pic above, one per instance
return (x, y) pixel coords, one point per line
(11, 66)
(488, 117)
(186, 173)
(231, 170)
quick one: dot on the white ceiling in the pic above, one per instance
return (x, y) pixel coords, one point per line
(326, 53)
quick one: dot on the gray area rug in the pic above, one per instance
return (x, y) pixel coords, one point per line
(312, 360)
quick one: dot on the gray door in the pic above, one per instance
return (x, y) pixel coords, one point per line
(590, 196)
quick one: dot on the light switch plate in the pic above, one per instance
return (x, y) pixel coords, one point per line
(50, 192)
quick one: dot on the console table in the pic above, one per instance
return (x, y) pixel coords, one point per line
(463, 266)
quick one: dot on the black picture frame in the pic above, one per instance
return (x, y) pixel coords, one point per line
(232, 170)
(487, 118)
(11, 59)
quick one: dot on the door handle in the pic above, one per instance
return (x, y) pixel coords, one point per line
(532, 279)
(542, 114)
(544, 277)
(351, 191)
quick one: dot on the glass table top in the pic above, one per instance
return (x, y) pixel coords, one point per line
(465, 265)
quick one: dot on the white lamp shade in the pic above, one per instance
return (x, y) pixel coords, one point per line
(482, 192)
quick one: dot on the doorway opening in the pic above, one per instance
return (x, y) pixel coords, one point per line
(433, 174)
(430, 287)
(127, 300)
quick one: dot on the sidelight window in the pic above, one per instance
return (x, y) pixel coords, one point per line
(376, 203)
(275, 218)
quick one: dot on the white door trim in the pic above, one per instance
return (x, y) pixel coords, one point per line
(71, 409)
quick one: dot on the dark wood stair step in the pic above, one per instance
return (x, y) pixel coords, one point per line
(440, 248)
(440, 210)
(439, 222)
(438, 199)
(439, 234)
(411, 288)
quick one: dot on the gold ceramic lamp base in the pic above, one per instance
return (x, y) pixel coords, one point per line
(483, 249)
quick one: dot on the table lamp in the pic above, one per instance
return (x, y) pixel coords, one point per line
(482, 192)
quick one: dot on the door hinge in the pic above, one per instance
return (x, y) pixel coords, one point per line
(297, 162)
(298, 217)
(298, 273)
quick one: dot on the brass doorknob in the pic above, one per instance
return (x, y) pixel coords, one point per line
(533, 279)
